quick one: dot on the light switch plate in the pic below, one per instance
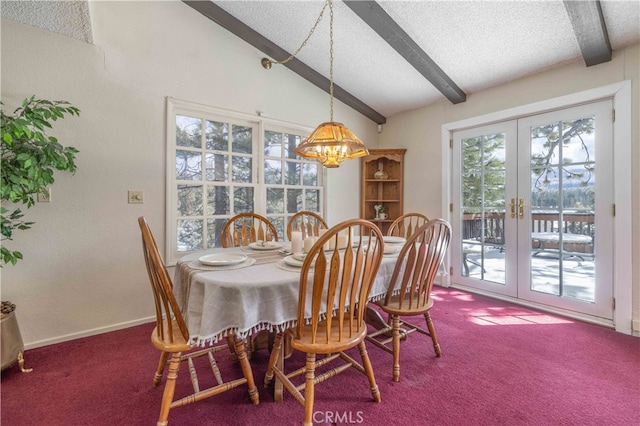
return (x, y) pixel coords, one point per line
(45, 197)
(136, 197)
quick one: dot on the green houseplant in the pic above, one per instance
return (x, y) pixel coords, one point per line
(29, 158)
(383, 212)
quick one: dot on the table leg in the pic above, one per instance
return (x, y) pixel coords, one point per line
(264, 340)
(374, 319)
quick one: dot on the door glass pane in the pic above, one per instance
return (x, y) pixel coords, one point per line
(563, 209)
(482, 247)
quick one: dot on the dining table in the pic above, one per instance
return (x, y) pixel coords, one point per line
(246, 290)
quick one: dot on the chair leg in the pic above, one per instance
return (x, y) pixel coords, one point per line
(366, 363)
(273, 359)
(160, 371)
(169, 389)
(246, 369)
(432, 333)
(309, 390)
(396, 347)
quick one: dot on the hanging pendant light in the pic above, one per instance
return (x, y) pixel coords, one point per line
(330, 143)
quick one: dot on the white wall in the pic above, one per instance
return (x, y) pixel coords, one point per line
(83, 271)
(420, 131)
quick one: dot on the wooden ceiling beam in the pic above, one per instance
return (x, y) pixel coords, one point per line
(590, 29)
(374, 15)
(238, 28)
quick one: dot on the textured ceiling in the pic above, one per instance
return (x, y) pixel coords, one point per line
(69, 18)
(478, 44)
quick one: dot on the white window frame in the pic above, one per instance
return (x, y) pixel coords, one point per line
(260, 124)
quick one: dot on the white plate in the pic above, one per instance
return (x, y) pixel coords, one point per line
(299, 256)
(292, 261)
(219, 259)
(356, 241)
(393, 240)
(266, 245)
(391, 248)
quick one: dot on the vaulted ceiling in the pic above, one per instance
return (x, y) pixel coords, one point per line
(393, 56)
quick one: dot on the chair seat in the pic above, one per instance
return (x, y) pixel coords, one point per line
(418, 307)
(321, 346)
(179, 344)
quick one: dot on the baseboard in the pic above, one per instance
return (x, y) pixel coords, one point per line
(87, 333)
(635, 327)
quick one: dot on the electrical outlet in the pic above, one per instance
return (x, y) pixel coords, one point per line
(136, 197)
(45, 197)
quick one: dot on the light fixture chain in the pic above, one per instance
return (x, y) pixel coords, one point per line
(304, 43)
(330, 143)
(331, 58)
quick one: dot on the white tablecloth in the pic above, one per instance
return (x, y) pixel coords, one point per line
(247, 300)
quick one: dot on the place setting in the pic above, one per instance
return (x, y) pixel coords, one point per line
(296, 254)
(292, 262)
(299, 249)
(392, 245)
(261, 245)
(222, 262)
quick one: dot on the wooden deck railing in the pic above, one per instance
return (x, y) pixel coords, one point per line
(575, 223)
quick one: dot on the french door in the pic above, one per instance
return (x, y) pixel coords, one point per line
(530, 219)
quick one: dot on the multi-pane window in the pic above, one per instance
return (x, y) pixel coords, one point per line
(291, 183)
(222, 165)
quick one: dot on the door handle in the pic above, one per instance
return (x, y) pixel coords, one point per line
(512, 205)
(521, 208)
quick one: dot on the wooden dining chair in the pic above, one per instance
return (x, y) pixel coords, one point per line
(246, 228)
(341, 279)
(309, 223)
(409, 291)
(171, 338)
(407, 224)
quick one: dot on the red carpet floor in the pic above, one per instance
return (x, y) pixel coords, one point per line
(501, 365)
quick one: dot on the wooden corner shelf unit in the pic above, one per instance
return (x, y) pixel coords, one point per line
(384, 188)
